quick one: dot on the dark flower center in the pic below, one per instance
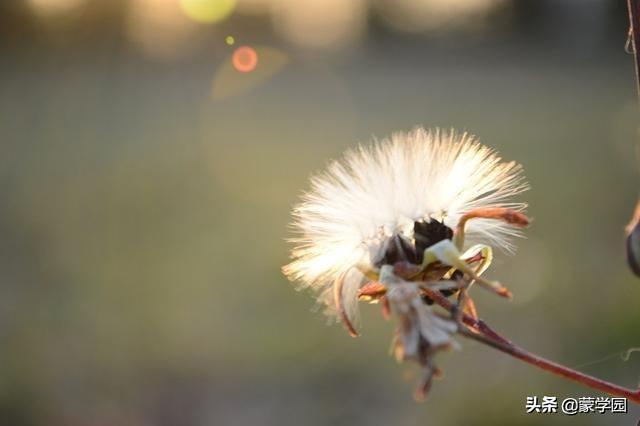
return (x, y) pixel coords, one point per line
(425, 234)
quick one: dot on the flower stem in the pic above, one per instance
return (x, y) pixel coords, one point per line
(476, 323)
(634, 35)
(552, 367)
(484, 334)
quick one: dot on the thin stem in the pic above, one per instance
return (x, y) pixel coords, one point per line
(482, 333)
(552, 367)
(476, 323)
(634, 35)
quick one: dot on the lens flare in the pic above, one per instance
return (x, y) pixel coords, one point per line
(230, 40)
(208, 11)
(244, 59)
(229, 81)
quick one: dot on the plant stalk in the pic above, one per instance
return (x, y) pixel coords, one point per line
(634, 35)
(481, 332)
(632, 395)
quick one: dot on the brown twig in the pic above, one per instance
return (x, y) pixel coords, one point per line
(482, 333)
(634, 35)
(632, 395)
(477, 324)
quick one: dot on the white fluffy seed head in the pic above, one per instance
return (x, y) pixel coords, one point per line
(375, 192)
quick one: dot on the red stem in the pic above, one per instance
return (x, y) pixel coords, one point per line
(476, 323)
(554, 368)
(482, 333)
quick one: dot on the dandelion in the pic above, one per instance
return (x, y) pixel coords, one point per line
(393, 218)
(411, 223)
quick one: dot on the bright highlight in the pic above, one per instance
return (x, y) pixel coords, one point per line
(208, 11)
(47, 7)
(244, 59)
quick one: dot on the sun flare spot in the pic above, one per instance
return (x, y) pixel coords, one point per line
(244, 59)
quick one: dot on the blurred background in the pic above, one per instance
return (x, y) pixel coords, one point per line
(152, 150)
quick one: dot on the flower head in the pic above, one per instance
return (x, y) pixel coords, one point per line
(396, 198)
(397, 214)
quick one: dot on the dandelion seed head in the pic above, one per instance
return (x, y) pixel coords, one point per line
(345, 222)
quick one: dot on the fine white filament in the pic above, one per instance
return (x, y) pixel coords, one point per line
(343, 222)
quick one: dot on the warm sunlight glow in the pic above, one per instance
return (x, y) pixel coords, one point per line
(427, 15)
(320, 23)
(255, 7)
(160, 29)
(50, 7)
(208, 11)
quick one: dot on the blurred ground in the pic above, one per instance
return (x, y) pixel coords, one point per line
(146, 195)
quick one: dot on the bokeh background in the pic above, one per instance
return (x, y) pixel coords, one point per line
(146, 179)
